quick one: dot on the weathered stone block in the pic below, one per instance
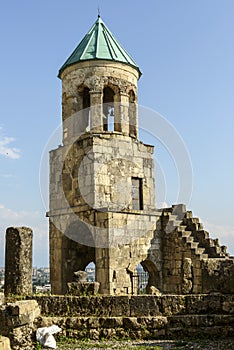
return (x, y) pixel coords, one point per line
(218, 275)
(83, 288)
(173, 304)
(145, 305)
(22, 313)
(4, 343)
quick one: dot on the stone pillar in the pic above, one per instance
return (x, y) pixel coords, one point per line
(96, 112)
(56, 267)
(18, 261)
(102, 269)
(124, 116)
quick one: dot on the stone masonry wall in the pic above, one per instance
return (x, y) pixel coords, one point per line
(91, 204)
(16, 323)
(218, 275)
(139, 316)
(96, 171)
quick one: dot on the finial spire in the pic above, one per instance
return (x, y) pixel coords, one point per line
(99, 12)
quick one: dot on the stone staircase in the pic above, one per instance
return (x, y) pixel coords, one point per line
(178, 219)
(211, 246)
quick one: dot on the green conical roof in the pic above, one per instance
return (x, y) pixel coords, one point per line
(99, 44)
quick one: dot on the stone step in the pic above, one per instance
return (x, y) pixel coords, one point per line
(171, 226)
(202, 234)
(188, 214)
(195, 220)
(174, 218)
(182, 228)
(189, 239)
(204, 256)
(179, 209)
(138, 327)
(210, 242)
(216, 252)
(200, 250)
(224, 249)
(194, 245)
(186, 233)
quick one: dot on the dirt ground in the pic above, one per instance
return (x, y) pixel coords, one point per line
(208, 344)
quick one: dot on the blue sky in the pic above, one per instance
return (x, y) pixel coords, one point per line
(185, 50)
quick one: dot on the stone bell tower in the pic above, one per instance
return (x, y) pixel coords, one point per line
(102, 198)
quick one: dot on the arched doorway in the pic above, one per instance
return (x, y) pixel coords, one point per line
(146, 275)
(142, 279)
(76, 256)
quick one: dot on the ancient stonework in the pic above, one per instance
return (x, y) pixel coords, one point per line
(18, 261)
(139, 317)
(102, 193)
(17, 323)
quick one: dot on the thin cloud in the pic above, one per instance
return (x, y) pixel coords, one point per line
(6, 150)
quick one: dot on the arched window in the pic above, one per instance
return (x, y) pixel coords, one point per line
(86, 108)
(82, 122)
(86, 98)
(132, 114)
(108, 109)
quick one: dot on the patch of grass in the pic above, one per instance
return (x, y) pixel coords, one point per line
(103, 345)
(38, 346)
(65, 340)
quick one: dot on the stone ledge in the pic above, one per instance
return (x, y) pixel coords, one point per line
(136, 306)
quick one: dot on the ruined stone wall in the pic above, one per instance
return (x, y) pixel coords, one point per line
(97, 170)
(218, 275)
(181, 266)
(16, 323)
(140, 316)
(192, 262)
(88, 179)
(117, 243)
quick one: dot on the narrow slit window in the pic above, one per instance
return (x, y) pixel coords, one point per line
(137, 194)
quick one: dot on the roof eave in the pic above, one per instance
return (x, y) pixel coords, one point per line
(98, 59)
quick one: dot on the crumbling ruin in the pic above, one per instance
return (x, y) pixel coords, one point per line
(102, 210)
(102, 196)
